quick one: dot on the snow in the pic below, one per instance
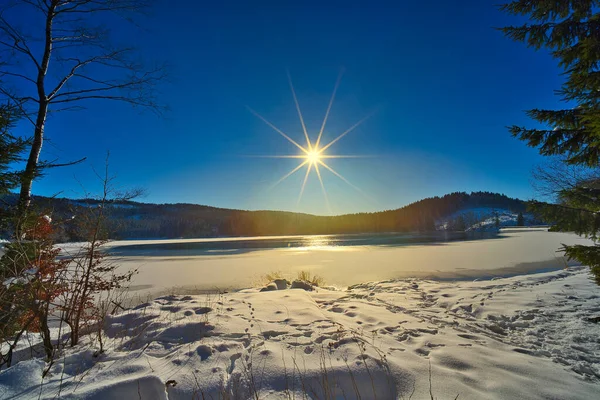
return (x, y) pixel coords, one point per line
(528, 336)
(22, 379)
(25, 277)
(389, 331)
(484, 218)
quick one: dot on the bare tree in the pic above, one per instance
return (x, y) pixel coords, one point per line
(556, 176)
(92, 276)
(62, 57)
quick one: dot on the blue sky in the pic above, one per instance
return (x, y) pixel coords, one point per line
(443, 83)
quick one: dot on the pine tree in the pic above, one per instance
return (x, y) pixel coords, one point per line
(11, 149)
(459, 224)
(569, 29)
(520, 219)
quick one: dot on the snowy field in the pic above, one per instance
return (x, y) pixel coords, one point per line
(519, 251)
(526, 337)
(386, 332)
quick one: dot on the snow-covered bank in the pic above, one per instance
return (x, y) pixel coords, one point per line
(533, 336)
(517, 252)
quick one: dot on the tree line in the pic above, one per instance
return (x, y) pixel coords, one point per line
(131, 220)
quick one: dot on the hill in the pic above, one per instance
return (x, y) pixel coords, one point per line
(484, 219)
(138, 220)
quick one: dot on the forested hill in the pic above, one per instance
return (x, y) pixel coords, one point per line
(142, 220)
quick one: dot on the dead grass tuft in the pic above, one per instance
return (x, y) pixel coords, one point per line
(314, 280)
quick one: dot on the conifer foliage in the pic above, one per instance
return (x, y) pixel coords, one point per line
(520, 219)
(11, 149)
(570, 29)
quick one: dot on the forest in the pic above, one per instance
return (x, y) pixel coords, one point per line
(135, 220)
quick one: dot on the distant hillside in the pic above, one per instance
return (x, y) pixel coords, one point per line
(484, 219)
(130, 220)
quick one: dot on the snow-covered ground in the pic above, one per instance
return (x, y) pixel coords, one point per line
(526, 337)
(398, 336)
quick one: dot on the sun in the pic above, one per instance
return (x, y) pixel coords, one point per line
(313, 156)
(313, 153)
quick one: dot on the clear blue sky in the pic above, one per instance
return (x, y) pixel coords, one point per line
(444, 82)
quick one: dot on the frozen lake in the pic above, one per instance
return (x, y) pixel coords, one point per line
(240, 245)
(195, 265)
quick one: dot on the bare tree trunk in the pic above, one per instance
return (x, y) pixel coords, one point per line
(32, 161)
(45, 331)
(90, 266)
(42, 113)
(7, 359)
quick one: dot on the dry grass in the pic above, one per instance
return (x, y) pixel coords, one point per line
(271, 276)
(306, 276)
(314, 280)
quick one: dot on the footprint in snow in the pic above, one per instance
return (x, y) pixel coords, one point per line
(424, 352)
(434, 345)
(467, 336)
(431, 331)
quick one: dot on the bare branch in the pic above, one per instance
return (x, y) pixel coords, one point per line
(556, 176)
(92, 6)
(80, 36)
(99, 89)
(3, 73)
(106, 90)
(74, 69)
(126, 99)
(15, 99)
(69, 108)
(20, 42)
(41, 6)
(53, 164)
(90, 79)
(19, 103)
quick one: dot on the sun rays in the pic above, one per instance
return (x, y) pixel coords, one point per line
(313, 154)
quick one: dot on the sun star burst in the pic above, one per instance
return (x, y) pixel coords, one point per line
(313, 155)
